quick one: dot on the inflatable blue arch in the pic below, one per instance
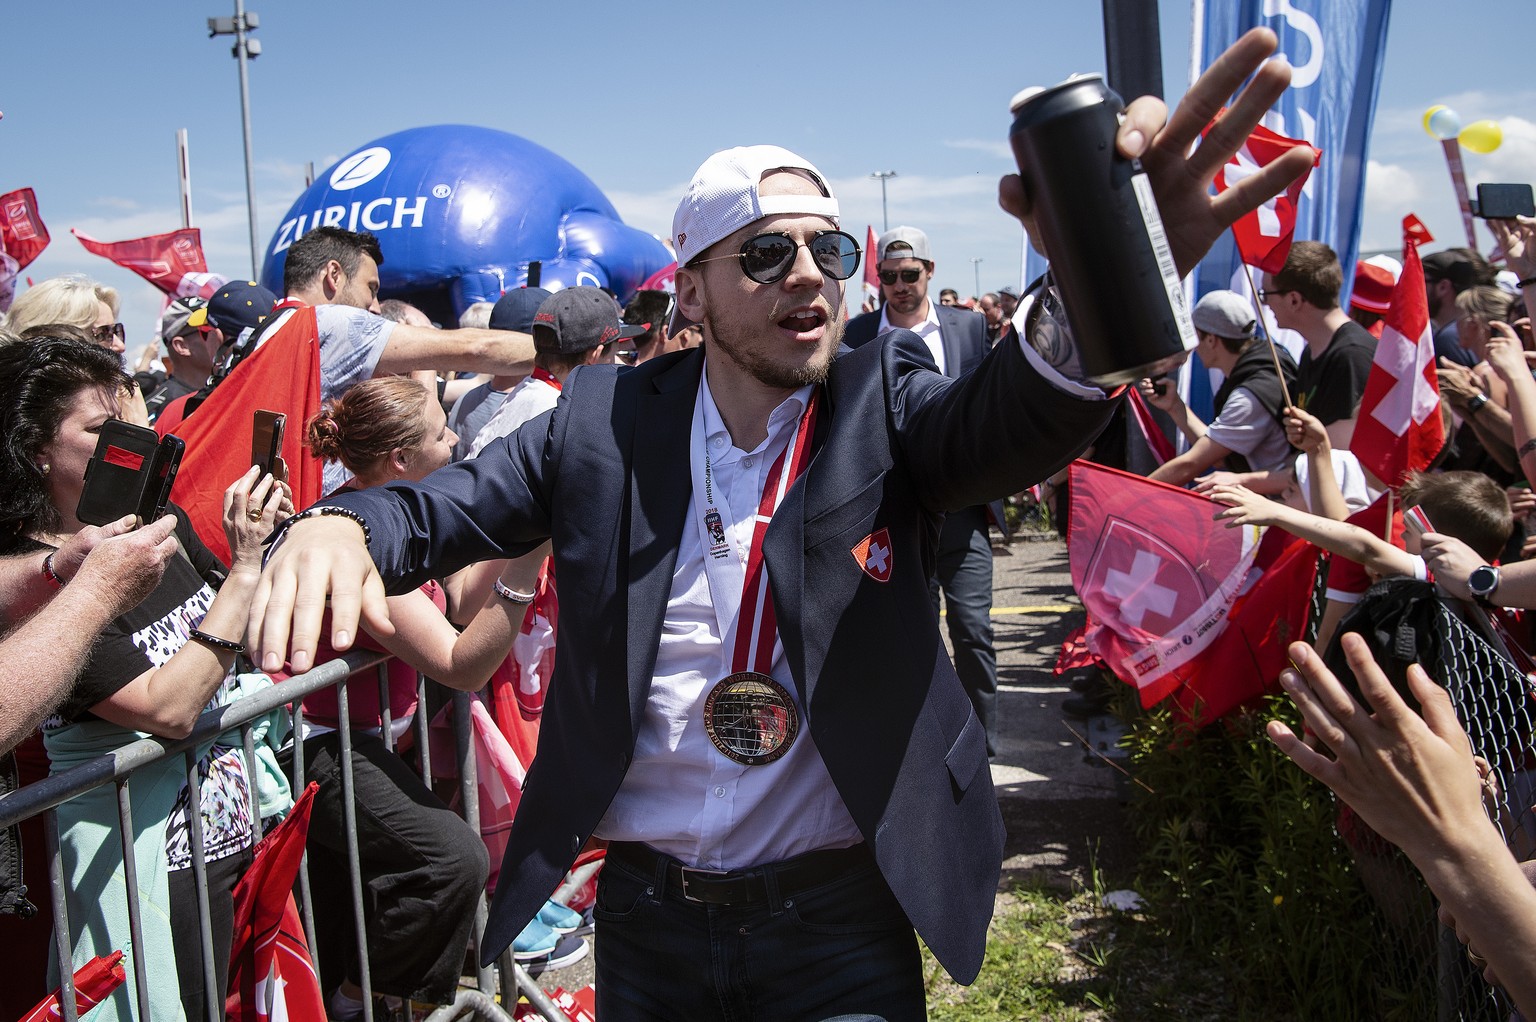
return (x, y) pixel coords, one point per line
(460, 212)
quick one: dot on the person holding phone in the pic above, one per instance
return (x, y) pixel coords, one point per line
(152, 671)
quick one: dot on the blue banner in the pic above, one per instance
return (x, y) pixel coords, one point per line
(1335, 48)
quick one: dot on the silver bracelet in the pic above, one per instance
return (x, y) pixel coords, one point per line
(509, 594)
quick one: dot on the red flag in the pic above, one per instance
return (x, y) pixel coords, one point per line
(1268, 615)
(283, 375)
(22, 238)
(1160, 446)
(1264, 235)
(871, 272)
(1156, 573)
(94, 982)
(172, 262)
(1399, 429)
(271, 976)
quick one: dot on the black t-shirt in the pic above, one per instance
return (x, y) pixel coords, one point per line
(1330, 386)
(148, 635)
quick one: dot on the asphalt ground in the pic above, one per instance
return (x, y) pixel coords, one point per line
(1061, 801)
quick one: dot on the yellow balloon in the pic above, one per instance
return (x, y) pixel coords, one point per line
(1482, 136)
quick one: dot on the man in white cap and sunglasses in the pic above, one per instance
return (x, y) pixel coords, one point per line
(752, 705)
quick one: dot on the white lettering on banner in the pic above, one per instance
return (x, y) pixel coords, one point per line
(415, 210)
(368, 222)
(1302, 76)
(384, 213)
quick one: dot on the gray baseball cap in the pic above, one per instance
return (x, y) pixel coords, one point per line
(1225, 314)
(913, 238)
(578, 319)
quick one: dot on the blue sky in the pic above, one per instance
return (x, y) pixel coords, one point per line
(636, 95)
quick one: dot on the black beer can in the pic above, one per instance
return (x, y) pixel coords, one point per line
(1100, 229)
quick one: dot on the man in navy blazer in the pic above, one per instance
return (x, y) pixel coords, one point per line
(957, 340)
(770, 860)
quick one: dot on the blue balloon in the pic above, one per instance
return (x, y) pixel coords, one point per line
(461, 211)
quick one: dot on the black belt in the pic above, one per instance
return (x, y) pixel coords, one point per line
(743, 886)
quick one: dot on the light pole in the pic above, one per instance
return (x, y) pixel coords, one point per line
(885, 218)
(245, 48)
(976, 265)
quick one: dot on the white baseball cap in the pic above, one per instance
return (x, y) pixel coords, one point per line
(722, 198)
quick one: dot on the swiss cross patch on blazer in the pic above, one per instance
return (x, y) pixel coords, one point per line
(874, 555)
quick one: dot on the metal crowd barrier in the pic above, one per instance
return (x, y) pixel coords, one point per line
(117, 768)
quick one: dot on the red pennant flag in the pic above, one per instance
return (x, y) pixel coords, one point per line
(1269, 614)
(1160, 446)
(172, 262)
(1264, 236)
(871, 272)
(22, 238)
(1156, 573)
(1399, 429)
(271, 976)
(283, 375)
(94, 982)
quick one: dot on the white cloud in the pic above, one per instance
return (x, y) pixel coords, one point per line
(991, 147)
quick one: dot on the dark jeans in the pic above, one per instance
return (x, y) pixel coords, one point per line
(843, 948)
(187, 933)
(964, 574)
(423, 869)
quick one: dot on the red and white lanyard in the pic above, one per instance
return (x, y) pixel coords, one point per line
(544, 376)
(756, 628)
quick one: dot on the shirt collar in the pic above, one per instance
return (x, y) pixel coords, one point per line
(926, 326)
(787, 413)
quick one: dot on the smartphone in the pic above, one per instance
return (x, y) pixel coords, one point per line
(1160, 386)
(1416, 521)
(267, 442)
(1503, 202)
(130, 473)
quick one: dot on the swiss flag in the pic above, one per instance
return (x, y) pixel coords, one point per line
(1155, 571)
(1399, 429)
(871, 272)
(1264, 235)
(172, 262)
(874, 555)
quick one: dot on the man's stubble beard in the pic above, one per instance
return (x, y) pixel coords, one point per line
(772, 374)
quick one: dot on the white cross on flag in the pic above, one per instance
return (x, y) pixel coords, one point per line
(1264, 236)
(1399, 429)
(874, 555)
(1155, 572)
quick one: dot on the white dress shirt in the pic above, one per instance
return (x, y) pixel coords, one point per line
(681, 795)
(928, 330)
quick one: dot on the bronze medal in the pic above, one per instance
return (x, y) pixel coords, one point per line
(751, 718)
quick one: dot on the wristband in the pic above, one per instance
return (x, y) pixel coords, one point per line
(1527, 447)
(509, 594)
(1475, 403)
(1527, 282)
(237, 648)
(331, 509)
(49, 573)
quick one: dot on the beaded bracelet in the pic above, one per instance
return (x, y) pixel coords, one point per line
(331, 509)
(48, 571)
(506, 592)
(237, 648)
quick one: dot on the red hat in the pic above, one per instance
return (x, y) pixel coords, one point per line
(1373, 288)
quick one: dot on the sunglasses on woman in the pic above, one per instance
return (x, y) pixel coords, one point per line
(103, 334)
(888, 277)
(767, 258)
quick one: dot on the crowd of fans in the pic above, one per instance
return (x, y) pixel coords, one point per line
(137, 628)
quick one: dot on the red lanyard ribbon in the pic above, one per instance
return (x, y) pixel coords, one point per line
(540, 373)
(757, 634)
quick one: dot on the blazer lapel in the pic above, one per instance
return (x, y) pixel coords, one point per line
(949, 336)
(660, 487)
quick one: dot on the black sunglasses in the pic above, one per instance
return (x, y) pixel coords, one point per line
(104, 334)
(888, 277)
(767, 258)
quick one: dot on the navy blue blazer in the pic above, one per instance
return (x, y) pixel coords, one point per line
(606, 475)
(963, 334)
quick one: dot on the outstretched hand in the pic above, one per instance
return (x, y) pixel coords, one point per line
(321, 563)
(1193, 218)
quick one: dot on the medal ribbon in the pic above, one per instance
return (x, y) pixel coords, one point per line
(757, 635)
